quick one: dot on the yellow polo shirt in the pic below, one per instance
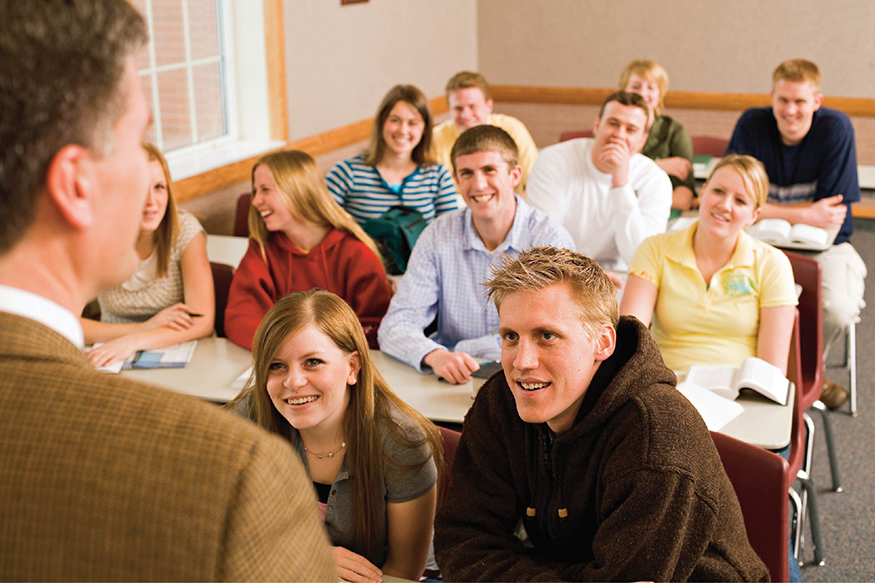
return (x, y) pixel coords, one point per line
(695, 323)
(445, 135)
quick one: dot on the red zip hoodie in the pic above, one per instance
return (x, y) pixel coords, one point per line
(340, 264)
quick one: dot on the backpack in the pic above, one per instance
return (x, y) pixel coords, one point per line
(395, 233)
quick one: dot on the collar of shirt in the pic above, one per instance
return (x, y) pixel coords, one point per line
(680, 250)
(46, 312)
(515, 237)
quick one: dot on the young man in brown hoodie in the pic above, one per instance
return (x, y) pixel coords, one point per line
(585, 443)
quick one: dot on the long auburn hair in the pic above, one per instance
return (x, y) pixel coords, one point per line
(302, 189)
(371, 401)
(165, 234)
(415, 98)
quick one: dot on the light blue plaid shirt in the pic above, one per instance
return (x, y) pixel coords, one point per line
(446, 268)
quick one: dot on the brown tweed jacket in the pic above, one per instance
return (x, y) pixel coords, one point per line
(102, 478)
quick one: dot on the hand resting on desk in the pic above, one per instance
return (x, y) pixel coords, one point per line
(453, 367)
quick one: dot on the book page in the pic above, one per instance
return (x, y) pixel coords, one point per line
(809, 235)
(240, 382)
(770, 230)
(719, 379)
(176, 356)
(765, 378)
(715, 410)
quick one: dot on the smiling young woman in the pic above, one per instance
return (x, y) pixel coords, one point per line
(302, 240)
(373, 460)
(170, 298)
(715, 294)
(396, 168)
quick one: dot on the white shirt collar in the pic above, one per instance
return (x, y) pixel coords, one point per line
(35, 307)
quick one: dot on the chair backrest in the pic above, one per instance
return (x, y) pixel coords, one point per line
(222, 276)
(241, 215)
(450, 441)
(709, 146)
(807, 272)
(571, 135)
(759, 478)
(798, 431)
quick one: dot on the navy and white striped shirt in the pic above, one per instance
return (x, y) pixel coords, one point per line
(360, 189)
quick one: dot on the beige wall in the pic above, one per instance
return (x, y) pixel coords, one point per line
(341, 60)
(705, 46)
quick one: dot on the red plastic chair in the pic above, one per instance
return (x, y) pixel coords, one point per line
(807, 273)
(450, 441)
(222, 276)
(709, 146)
(801, 453)
(241, 215)
(572, 135)
(759, 478)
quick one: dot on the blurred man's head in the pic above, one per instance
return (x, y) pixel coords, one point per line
(469, 100)
(795, 97)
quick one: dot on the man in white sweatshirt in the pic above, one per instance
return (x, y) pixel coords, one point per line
(608, 195)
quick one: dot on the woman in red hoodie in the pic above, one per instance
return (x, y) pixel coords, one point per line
(302, 240)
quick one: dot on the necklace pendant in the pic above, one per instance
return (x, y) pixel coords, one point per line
(331, 454)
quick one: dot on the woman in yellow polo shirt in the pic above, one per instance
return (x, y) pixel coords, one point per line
(716, 295)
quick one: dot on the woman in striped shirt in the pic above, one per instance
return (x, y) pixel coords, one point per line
(396, 168)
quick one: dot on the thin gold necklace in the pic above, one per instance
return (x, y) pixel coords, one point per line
(330, 454)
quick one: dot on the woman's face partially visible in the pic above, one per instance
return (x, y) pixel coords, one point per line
(156, 199)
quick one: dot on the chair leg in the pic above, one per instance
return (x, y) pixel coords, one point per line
(796, 532)
(852, 365)
(830, 446)
(814, 519)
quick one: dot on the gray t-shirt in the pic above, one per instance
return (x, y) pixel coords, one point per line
(400, 484)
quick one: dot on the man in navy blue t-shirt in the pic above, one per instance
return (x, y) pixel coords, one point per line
(811, 159)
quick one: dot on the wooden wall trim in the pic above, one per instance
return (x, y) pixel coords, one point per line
(865, 209)
(854, 106)
(221, 178)
(276, 70)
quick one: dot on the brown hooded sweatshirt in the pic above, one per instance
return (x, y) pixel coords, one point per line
(633, 491)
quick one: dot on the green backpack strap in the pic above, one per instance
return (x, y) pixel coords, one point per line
(395, 233)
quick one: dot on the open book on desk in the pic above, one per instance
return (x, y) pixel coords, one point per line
(176, 356)
(781, 233)
(754, 373)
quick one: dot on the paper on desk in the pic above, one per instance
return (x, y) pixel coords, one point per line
(113, 367)
(240, 382)
(717, 411)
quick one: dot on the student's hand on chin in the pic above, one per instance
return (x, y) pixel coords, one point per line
(355, 568)
(118, 349)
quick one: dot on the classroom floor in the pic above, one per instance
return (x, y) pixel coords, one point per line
(848, 518)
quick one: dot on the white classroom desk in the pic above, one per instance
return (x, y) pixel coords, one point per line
(216, 363)
(763, 422)
(226, 249)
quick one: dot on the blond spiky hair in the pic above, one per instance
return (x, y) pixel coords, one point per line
(540, 267)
